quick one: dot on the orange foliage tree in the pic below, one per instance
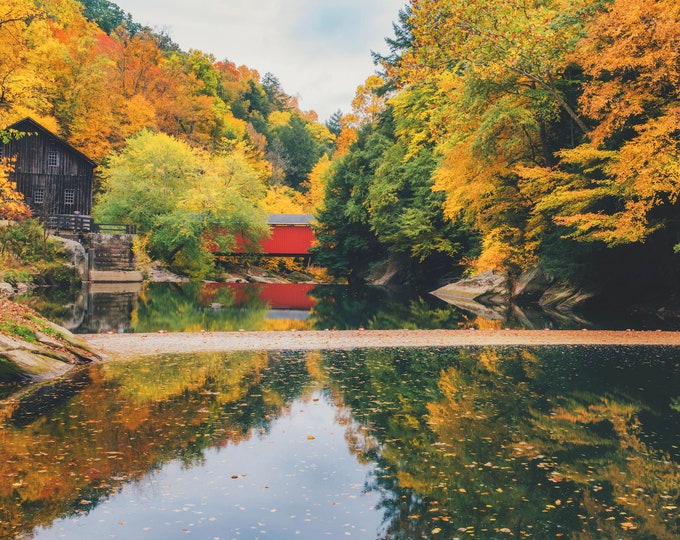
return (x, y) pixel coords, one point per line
(624, 184)
(12, 206)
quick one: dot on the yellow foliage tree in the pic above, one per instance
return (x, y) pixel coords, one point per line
(368, 103)
(283, 200)
(12, 206)
(316, 184)
(632, 56)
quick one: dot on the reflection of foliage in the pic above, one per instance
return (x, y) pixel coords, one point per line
(71, 444)
(174, 308)
(577, 442)
(518, 442)
(55, 304)
(343, 308)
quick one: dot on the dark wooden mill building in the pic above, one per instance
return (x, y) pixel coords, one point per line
(54, 177)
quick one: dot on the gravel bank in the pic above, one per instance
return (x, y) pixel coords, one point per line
(114, 346)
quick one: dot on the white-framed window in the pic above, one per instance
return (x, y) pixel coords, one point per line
(69, 196)
(52, 156)
(39, 195)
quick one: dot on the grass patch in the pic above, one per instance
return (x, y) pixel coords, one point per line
(45, 328)
(16, 276)
(18, 330)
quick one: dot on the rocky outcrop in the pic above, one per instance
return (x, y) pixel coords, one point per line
(486, 288)
(531, 285)
(46, 358)
(6, 289)
(483, 294)
(77, 253)
(34, 349)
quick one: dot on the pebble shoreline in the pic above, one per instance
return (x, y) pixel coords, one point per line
(117, 346)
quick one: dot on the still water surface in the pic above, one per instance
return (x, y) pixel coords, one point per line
(548, 442)
(191, 307)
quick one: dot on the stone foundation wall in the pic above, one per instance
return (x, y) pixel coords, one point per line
(111, 258)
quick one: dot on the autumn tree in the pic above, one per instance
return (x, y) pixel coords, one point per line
(624, 184)
(301, 147)
(12, 205)
(368, 101)
(182, 199)
(494, 96)
(16, 76)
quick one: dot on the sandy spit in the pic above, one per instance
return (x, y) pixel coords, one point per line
(116, 346)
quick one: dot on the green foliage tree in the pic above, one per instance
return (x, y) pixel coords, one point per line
(185, 201)
(405, 213)
(108, 15)
(334, 123)
(277, 97)
(347, 245)
(300, 150)
(390, 171)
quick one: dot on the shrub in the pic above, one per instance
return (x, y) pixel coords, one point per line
(28, 241)
(16, 276)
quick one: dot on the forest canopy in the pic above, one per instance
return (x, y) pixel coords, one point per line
(526, 134)
(119, 92)
(497, 136)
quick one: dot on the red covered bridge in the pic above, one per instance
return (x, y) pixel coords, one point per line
(291, 236)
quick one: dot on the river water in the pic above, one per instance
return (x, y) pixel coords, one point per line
(471, 442)
(191, 307)
(547, 442)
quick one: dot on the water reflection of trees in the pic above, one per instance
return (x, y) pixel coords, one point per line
(345, 308)
(519, 443)
(66, 447)
(578, 442)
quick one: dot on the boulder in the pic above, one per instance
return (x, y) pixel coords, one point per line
(486, 288)
(6, 289)
(531, 285)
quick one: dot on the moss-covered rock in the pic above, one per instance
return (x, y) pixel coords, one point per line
(33, 349)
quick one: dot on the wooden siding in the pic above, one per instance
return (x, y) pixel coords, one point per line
(289, 240)
(284, 241)
(43, 161)
(290, 235)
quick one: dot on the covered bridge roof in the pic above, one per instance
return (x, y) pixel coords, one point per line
(291, 219)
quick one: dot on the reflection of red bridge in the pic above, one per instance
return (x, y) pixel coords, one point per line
(291, 236)
(293, 296)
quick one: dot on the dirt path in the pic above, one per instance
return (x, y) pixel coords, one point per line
(130, 345)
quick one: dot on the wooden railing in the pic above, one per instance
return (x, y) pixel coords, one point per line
(78, 223)
(114, 228)
(69, 222)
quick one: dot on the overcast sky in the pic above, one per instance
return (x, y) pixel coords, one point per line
(320, 50)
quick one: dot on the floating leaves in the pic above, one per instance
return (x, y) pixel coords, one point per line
(487, 459)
